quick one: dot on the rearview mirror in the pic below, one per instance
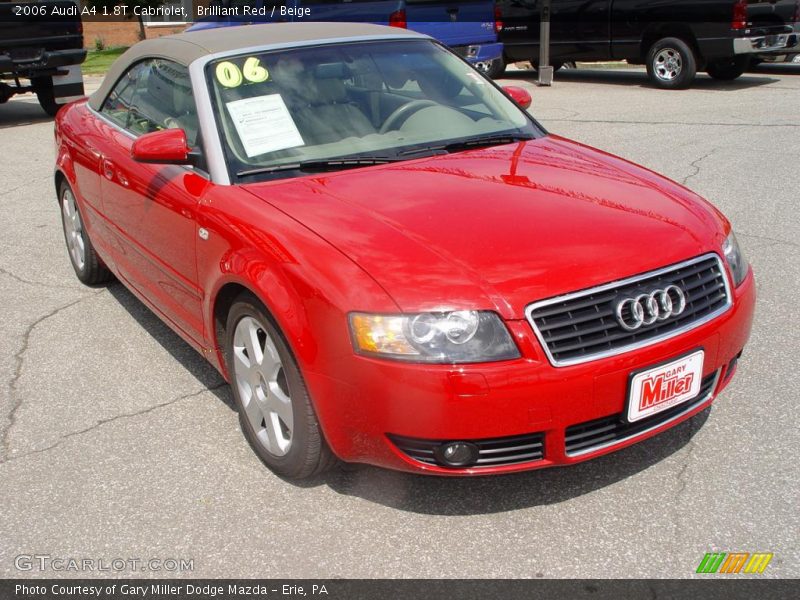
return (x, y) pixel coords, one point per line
(165, 147)
(519, 95)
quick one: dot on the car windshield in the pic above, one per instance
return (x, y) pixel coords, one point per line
(332, 106)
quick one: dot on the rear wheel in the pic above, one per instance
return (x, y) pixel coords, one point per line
(87, 265)
(671, 64)
(728, 69)
(43, 86)
(495, 68)
(274, 406)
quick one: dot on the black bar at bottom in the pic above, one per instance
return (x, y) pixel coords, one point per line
(715, 587)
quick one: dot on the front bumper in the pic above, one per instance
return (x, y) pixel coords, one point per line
(371, 402)
(765, 43)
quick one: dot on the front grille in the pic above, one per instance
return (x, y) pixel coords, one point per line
(496, 452)
(592, 435)
(583, 326)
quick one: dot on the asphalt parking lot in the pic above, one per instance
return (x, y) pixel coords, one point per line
(118, 441)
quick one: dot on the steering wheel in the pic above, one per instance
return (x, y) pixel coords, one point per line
(403, 112)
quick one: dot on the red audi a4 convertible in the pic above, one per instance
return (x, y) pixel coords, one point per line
(389, 260)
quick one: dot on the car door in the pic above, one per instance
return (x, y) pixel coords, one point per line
(151, 209)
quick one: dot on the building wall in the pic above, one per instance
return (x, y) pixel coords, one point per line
(126, 33)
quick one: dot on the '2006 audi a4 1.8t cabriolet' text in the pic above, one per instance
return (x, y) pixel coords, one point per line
(389, 260)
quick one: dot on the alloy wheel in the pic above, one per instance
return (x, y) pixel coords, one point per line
(668, 64)
(262, 386)
(73, 228)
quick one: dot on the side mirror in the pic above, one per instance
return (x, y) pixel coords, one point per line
(519, 95)
(165, 147)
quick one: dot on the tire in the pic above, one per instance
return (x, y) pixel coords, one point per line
(557, 66)
(496, 69)
(671, 64)
(43, 86)
(728, 69)
(88, 267)
(296, 449)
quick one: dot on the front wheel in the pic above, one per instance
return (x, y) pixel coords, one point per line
(671, 64)
(728, 69)
(85, 261)
(275, 409)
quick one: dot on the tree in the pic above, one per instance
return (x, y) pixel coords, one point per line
(131, 9)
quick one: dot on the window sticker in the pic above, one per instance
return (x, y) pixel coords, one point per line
(231, 76)
(264, 124)
(228, 74)
(253, 71)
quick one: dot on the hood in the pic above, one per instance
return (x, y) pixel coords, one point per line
(501, 227)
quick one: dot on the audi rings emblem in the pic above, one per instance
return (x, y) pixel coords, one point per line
(645, 309)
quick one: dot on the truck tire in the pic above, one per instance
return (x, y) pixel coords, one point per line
(671, 64)
(43, 86)
(728, 69)
(496, 68)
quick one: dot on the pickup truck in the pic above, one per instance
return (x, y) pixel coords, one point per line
(41, 50)
(468, 27)
(673, 39)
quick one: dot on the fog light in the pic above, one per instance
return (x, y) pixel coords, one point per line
(457, 454)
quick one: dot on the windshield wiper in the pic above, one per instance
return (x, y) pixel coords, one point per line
(319, 166)
(488, 140)
(474, 142)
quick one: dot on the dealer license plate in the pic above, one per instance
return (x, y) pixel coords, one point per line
(665, 386)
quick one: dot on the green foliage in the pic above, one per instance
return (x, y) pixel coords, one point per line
(98, 61)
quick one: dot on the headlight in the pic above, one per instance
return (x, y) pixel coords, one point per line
(733, 254)
(462, 336)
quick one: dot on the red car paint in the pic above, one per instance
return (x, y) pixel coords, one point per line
(486, 229)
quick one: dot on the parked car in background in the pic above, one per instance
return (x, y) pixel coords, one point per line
(41, 50)
(673, 39)
(468, 27)
(390, 260)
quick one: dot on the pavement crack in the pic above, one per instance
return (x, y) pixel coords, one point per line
(696, 166)
(681, 477)
(673, 123)
(102, 422)
(32, 282)
(777, 241)
(24, 185)
(19, 358)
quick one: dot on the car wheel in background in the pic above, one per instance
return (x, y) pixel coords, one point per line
(43, 87)
(275, 410)
(671, 64)
(87, 265)
(728, 69)
(494, 69)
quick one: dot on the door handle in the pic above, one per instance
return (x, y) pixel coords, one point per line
(109, 171)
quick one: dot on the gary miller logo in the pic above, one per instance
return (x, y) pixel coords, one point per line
(734, 562)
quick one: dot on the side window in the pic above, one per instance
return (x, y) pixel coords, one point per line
(154, 94)
(118, 104)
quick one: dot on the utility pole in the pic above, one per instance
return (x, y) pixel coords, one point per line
(545, 69)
